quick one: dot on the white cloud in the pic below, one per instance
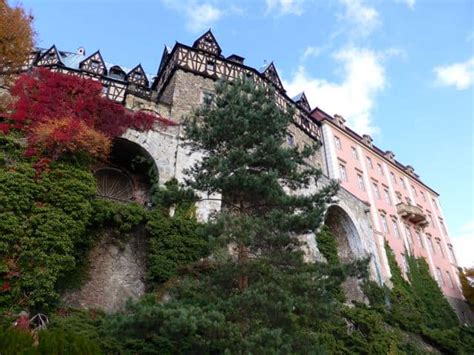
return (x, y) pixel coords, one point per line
(464, 245)
(409, 3)
(364, 18)
(199, 15)
(312, 52)
(354, 97)
(285, 7)
(459, 75)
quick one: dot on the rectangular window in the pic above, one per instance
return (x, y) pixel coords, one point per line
(414, 191)
(430, 217)
(387, 196)
(360, 180)
(380, 169)
(337, 141)
(409, 236)
(342, 170)
(392, 176)
(408, 199)
(376, 190)
(395, 228)
(403, 183)
(418, 238)
(434, 203)
(440, 276)
(440, 247)
(450, 280)
(443, 227)
(423, 196)
(384, 223)
(369, 163)
(210, 65)
(430, 244)
(355, 155)
(451, 254)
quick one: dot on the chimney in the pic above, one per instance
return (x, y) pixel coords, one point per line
(339, 120)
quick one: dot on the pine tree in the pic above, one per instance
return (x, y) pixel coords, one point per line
(243, 134)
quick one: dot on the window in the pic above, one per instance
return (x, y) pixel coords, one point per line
(418, 238)
(404, 263)
(430, 244)
(342, 170)
(440, 276)
(409, 236)
(434, 203)
(387, 196)
(395, 228)
(290, 139)
(408, 199)
(414, 191)
(451, 254)
(384, 223)
(137, 76)
(430, 217)
(423, 196)
(380, 169)
(440, 247)
(337, 141)
(450, 280)
(95, 64)
(369, 163)
(376, 190)
(360, 180)
(402, 182)
(443, 227)
(210, 65)
(392, 176)
(355, 155)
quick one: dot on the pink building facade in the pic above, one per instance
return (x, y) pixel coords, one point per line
(403, 210)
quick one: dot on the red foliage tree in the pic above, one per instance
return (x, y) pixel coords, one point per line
(62, 113)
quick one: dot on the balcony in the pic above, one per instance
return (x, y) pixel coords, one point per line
(412, 213)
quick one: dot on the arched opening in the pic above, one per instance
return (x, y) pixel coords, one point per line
(344, 230)
(128, 175)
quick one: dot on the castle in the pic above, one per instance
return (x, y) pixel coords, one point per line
(380, 198)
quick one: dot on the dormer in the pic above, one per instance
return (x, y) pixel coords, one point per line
(208, 43)
(340, 121)
(137, 76)
(271, 74)
(117, 72)
(390, 155)
(50, 57)
(236, 58)
(302, 102)
(94, 64)
(410, 170)
(366, 139)
(81, 51)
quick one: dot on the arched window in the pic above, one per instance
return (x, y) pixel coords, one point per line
(114, 184)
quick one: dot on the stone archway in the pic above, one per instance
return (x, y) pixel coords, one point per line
(343, 228)
(128, 175)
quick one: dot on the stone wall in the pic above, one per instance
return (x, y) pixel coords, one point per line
(116, 274)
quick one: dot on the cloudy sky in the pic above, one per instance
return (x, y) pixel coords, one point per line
(400, 70)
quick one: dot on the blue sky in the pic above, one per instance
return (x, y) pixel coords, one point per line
(401, 70)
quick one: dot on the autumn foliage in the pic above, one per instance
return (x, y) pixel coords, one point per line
(16, 38)
(62, 113)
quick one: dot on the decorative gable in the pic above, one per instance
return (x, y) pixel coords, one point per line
(302, 102)
(137, 76)
(94, 64)
(50, 57)
(271, 74)
(207, 42)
